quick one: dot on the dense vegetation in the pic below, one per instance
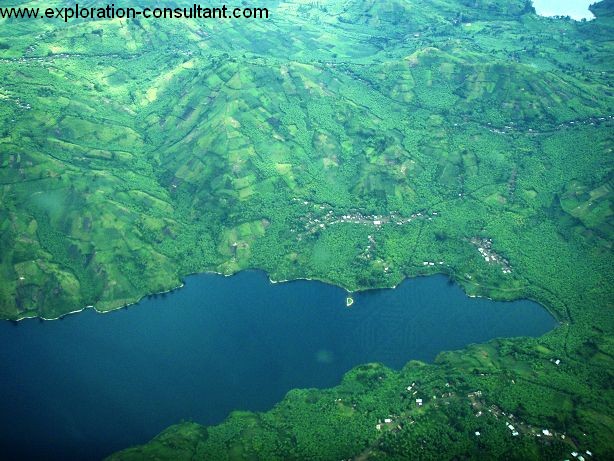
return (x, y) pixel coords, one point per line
(354, 142)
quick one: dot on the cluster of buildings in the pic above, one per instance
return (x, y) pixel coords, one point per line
(484, 246)
(512, 128)
(324, 216)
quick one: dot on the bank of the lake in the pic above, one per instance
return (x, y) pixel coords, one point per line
(90, 384)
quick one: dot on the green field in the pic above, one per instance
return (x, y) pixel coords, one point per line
(357, 143)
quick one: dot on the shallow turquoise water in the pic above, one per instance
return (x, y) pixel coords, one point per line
(576, 9)
(90, 384)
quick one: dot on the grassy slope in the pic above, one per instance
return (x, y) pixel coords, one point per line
(134, 153)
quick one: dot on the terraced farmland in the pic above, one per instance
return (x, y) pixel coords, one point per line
(133, 153)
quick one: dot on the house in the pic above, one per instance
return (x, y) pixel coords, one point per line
(419, 402)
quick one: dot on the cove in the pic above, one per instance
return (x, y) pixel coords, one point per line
(90, 384)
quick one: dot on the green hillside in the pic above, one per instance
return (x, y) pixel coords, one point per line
(358, 143)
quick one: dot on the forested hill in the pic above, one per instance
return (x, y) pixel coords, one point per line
(136, 152)
(357, 143)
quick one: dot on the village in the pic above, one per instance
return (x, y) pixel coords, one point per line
(484, 246)
(321, 216)
(512, 127)
(517, 428)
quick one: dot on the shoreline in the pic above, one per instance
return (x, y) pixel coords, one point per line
(554, 314)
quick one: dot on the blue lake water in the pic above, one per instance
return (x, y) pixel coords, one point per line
(575, 9)
(90, 384)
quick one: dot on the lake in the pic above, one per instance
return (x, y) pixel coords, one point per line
(576, 9)
(90, 384)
